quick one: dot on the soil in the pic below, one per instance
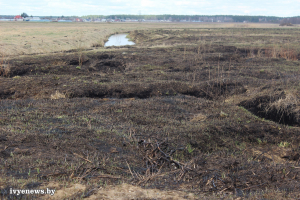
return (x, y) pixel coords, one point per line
(198, 119)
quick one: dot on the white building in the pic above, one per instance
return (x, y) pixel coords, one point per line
(32, 19)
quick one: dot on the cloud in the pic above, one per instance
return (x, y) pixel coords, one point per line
(110, 7)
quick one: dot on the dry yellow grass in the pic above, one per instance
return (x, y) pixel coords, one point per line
(127, 191)
(58, 95)
(19, 38)
(198, 117)
(123, 191)
(285, 105)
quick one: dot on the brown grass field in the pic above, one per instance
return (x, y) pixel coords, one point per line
(192, 111)
(23, 38)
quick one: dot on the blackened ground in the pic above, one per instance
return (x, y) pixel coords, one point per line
(167, 118)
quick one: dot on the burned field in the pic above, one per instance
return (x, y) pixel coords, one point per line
(212, 119)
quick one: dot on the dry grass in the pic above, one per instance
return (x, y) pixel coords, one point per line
(4, 66)
(126, 191)
(277, 51)
(58, 95)
(281, 52)
(198, 117)
(285, 104)
(123, 191)
(19, 38)
(31, 38)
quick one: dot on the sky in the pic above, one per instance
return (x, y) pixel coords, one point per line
(280, 8)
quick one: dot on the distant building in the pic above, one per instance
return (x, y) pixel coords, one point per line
(32, 19)
(78, 20)
(18, 18)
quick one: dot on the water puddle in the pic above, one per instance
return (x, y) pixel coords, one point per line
(118, 40)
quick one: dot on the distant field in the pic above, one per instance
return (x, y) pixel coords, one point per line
(19, 38)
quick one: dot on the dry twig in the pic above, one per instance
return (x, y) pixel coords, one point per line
(82, 157)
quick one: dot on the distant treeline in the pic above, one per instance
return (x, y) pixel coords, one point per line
(42, 17)
(292, 20)
(177, 18)
(214, 18)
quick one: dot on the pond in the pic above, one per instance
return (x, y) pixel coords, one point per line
(118, 40)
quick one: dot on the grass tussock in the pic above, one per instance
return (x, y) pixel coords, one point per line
(283, 104)
(98, 44)
(58, 95)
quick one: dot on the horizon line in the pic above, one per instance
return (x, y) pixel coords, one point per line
(153, 14)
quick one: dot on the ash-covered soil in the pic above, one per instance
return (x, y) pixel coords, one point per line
(201, 118)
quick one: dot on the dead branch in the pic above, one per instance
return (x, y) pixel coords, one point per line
(82, 157)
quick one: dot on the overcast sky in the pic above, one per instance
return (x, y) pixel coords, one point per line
(282, 8)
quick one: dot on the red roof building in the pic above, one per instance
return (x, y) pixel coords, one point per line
(18, 17)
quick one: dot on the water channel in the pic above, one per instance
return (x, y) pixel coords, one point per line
(118, 40)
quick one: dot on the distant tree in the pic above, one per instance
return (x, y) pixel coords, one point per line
(24, 15)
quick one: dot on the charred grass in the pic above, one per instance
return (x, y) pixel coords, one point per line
(215, 120)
